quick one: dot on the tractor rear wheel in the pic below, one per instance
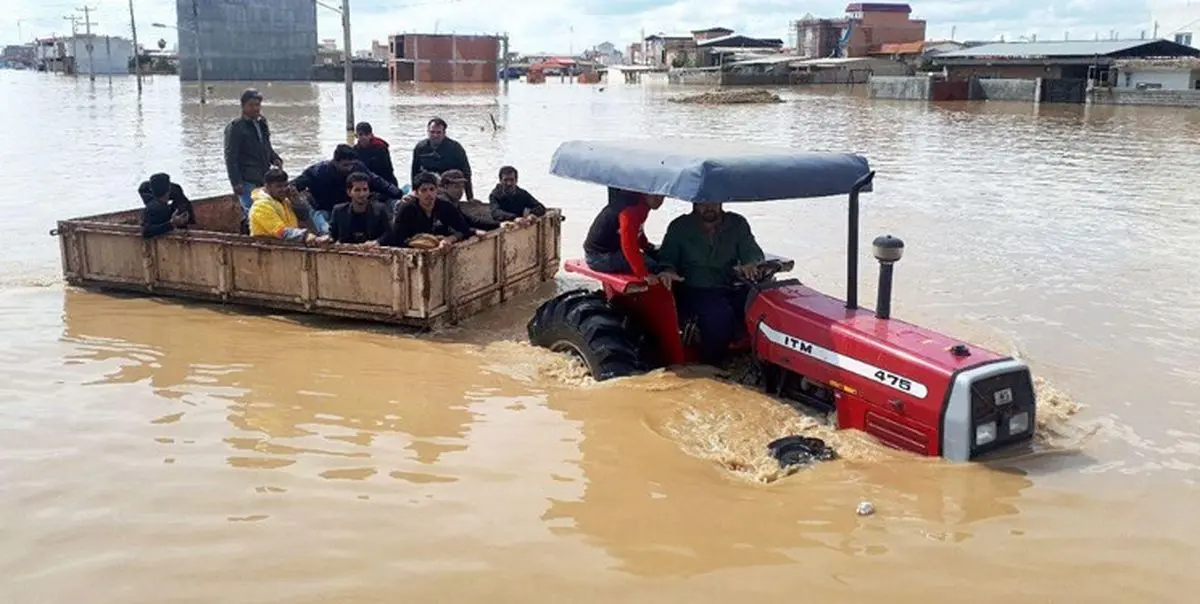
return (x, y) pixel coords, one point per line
(581, 323)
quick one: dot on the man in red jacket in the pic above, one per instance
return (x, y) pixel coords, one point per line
(616, 241)
(374, 152)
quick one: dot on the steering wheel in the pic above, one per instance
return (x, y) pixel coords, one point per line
(767, 269)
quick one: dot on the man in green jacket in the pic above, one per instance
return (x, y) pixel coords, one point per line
(705, 249)
(248, 150)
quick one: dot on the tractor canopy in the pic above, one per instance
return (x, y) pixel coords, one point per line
(713, 171)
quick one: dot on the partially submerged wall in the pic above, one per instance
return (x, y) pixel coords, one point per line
(694, 77)
(907, 88)
(1005, 89)
(1130, 96)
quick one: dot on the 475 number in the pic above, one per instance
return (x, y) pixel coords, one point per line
(893, 380)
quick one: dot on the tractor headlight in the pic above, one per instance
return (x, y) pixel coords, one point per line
(985, 433)
(1018, 423)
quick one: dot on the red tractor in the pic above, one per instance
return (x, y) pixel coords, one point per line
(909, 387)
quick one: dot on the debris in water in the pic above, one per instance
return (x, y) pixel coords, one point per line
(798, 450)
(730, 97)
(866, 508)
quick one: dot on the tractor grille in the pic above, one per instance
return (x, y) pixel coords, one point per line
(1002, 399)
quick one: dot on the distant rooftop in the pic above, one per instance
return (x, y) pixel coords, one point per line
(1060, 48)
(725, 40)
(712, 30)
(878, 7)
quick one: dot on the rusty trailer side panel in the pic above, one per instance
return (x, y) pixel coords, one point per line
(211, 261)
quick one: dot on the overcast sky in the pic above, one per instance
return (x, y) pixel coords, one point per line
(560, 26)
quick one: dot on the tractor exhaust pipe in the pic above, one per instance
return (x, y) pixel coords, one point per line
(888, 251)
(863, 184)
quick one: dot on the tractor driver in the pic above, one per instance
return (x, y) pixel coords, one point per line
(707, 248)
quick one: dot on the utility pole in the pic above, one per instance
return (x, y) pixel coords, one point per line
(108, 53)
(137, 56)
(349, 72)
(87, 21)
(199, 57)
(504, 49)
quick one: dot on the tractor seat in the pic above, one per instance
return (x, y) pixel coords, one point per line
(622, 283)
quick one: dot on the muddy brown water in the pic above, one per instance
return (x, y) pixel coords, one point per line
(153, 450)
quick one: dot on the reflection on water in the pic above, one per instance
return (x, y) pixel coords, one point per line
(171, 451)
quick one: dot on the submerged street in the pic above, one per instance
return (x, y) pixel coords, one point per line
(162, 450)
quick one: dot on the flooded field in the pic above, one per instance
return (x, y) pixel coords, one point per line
(155, 450)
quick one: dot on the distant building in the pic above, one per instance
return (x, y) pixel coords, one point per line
(1176, 20)
(18, 53)
(379, 51)
(605, 53)
(635, 55)
(328, 53)
(109, 55)
(1157, 74)
(864, 29)
(444, 58)
(1079, 60)
(712, 52)
(260, 40)
(666, 51)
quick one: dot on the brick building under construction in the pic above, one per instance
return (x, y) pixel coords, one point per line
(445, 58)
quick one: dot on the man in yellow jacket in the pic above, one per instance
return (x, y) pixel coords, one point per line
(272, 214)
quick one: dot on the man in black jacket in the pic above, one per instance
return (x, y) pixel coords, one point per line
(512, 203)
(374, 152)
(427, 215)
(325, 182)
(167, 208)
(248, 150)
(359, 220)
(439, 153)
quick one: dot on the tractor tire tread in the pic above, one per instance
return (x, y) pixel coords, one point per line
(584, 320)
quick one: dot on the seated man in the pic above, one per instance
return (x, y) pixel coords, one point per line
(427, 215)
(616, 241)
(478, 214)
(325, 182)
(361, 219)
(510, 202)
(272, 214)
(167, 208)
(706, 247)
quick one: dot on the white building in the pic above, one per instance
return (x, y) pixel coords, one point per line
(1158, 74)
(1177, 20)
(108, 55)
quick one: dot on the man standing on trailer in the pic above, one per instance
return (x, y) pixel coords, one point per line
(248, 150)
(439, 153)
(707, 248)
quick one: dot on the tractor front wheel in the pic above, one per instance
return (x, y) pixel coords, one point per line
(581, 323)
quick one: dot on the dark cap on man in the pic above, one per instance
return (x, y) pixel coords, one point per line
(450, 176)
(363, 128)
(160, 184)
(251, 94)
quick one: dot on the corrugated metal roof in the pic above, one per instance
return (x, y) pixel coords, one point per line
(1061, 48)
(901, 48)
(732, 37)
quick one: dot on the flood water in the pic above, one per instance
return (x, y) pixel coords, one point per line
(159, 451)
